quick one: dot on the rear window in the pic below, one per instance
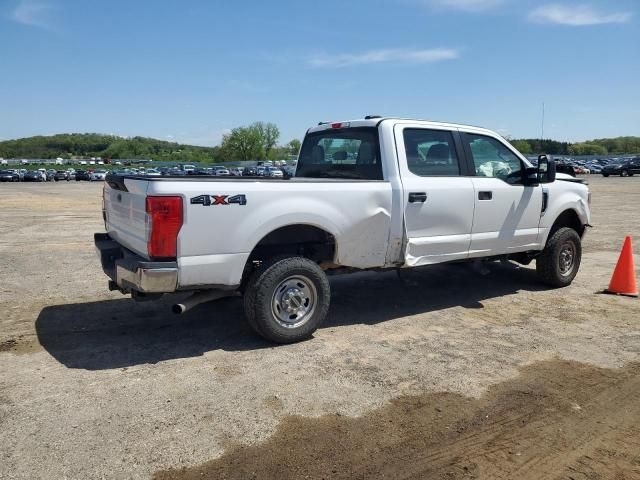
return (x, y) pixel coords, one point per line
(352, 153)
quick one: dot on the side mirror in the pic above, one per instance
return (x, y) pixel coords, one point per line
(546, 170)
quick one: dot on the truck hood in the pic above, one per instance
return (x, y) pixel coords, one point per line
(568, 178)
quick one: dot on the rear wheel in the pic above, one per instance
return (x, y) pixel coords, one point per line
(624, 173)
(605, 174)
(287, 299)
(559, 262)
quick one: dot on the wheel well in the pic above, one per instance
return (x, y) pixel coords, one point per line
(570, 219)
(303, 240)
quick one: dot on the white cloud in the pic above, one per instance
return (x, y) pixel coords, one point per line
(390, 55)
(467, 5)
(34, 13)
(576, 16)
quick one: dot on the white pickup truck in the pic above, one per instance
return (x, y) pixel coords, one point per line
(374, 193)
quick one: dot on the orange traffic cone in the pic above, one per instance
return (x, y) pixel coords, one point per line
(623, 281)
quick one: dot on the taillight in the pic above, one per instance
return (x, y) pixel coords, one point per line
(164, 217)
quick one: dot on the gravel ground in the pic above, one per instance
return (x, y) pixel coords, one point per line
(93, 385)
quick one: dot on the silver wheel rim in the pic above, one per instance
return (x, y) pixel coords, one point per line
(567, 259)
(294, 301)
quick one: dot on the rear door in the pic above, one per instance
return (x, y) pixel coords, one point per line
(507, 213)
(438, 197)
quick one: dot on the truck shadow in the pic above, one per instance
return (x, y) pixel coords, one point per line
(121, 333)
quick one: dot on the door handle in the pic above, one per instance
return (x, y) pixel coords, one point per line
(485, 195)
(417, 197)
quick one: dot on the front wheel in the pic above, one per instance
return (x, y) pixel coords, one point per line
(559, 262)
(287, 299)
(624, 173)
(605, 174)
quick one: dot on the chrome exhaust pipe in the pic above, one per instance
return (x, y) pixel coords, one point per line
(200, 297)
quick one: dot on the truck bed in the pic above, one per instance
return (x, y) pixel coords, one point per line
(218, 236)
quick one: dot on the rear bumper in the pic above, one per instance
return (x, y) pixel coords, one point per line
(132, 272)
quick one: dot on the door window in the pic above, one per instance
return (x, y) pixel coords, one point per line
(431, 153)
(493, 159)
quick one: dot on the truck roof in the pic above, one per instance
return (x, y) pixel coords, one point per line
(374, 121)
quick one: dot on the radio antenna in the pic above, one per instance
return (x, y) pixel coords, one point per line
(542, 126)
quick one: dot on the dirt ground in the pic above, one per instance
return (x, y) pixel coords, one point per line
(442, 373)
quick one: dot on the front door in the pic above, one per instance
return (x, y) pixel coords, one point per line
(507, 213)
(438, 199)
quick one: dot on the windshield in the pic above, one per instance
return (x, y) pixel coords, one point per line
(346, 153)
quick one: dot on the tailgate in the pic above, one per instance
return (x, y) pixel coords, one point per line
(124, 204)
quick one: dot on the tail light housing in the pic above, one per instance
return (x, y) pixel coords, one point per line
(164, 220)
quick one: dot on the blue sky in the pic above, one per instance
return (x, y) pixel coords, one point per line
(190, 70)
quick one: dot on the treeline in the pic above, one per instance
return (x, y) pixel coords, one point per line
(257, 141)
(85, 145)
(602, 146)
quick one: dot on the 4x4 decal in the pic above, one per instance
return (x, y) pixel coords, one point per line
(208, 200)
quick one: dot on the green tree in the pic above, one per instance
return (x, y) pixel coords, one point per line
(270, 133)
(522, 146)
(293, 147)
(587, 148)
(243, 143)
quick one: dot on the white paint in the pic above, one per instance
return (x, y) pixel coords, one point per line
(373, 223)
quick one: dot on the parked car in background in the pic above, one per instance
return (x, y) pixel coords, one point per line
(626, 168)
(152, 172)
(273, 172)
(33, 176)
(261, 171)
(288, 171)
(221, 171)
(174, 172)
(61, 175)
(82, 175)
(250, 172)
(19, 172)
(201, 171)
(9, 176)
(97, 175)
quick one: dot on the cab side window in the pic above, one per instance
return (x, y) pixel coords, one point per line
(493, 159)
(431, 153)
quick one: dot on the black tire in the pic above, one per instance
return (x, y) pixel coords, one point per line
(624, 173)
(551, 264)
(260, 297)
(605, 174)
